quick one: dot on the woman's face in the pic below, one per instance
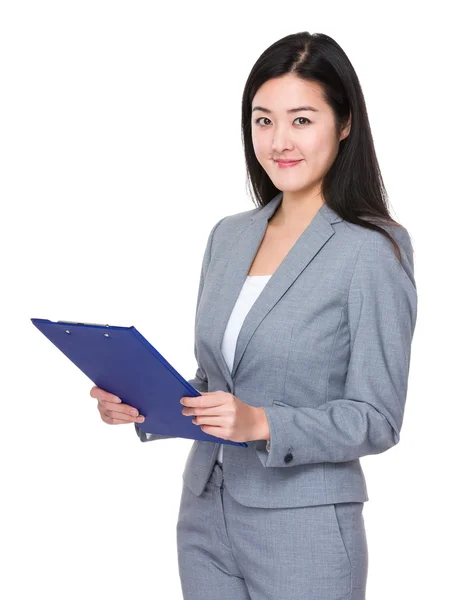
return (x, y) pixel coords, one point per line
(280, 130)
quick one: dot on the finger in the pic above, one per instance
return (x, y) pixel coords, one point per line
(194, 401)
(208, 400)
(114, 421)
(207, 420)
(104, 396)
(120, 417)
(216, 431)
(119, 409)
(123, 409)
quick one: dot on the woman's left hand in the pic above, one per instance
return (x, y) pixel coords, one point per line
(225, 416)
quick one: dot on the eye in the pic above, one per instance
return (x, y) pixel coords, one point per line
(305, 119)
(257, 121)
(267, 119)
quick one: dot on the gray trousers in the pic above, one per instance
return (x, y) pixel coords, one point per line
(228, 551)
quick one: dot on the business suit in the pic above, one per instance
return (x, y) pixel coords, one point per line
(325, 349)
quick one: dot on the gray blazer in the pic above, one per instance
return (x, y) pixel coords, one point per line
(325, 349)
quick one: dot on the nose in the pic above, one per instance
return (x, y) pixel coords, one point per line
(281, 141)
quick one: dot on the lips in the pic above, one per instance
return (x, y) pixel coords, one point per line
(287, 163)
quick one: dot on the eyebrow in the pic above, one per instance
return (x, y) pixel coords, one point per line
(290, 110)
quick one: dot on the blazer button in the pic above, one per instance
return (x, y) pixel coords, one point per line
(288, 457)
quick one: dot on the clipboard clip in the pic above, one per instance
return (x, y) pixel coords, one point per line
(79, 323)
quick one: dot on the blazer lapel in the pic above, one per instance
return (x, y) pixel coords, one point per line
(238, 263)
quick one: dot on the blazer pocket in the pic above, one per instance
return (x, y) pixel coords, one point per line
(279, 403)
(343, 514)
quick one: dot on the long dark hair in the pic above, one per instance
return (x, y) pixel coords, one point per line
(353, 186)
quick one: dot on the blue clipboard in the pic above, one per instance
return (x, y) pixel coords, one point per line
(120, 360)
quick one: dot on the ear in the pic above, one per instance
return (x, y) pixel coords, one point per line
(346, 128)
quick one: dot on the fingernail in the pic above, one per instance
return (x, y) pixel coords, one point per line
(140, 419)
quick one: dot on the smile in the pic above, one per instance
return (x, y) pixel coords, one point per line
(284, 165)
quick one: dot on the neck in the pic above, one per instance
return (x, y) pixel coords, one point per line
(298, 210)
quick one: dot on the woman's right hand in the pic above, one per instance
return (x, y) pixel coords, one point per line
(112, 410)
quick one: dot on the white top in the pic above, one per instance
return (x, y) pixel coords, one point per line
(250, 291)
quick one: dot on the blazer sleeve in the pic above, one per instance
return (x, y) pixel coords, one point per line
(382, 313)
(200, 381)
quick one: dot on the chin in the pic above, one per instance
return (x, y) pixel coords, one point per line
(288, 186)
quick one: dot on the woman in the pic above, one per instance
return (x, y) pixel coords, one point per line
(305, 314)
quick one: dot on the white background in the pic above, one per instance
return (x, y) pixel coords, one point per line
(120, 149)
